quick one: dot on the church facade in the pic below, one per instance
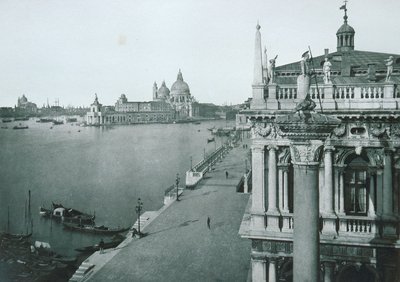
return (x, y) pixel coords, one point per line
(325, 203)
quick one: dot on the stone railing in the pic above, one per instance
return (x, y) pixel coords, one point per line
(194, 175)
(357, 225)
(349, 226)
(341, 96)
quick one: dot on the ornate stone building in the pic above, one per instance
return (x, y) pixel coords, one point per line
(179, 97)
(126, 112)
(325, 166)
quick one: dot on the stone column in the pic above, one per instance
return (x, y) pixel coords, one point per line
(258, 269)
(387, 186)
(379, 192)
(396, 192)
(272, 270)
(371, 196)
(258, 204)
(286, 189)
(273, 212)
(328, 214)
(341, 191)
(272, 180)
(389, 226)
(280, 188)
(306, 212)
(328, 191)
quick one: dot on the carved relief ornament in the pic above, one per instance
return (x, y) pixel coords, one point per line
(307, 153)
(377, 130)
(263, 129)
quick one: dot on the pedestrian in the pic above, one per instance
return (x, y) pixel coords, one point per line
(226, 174)
(101, 246)
(208, 222)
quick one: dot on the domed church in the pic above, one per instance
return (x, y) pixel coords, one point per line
(179, 96)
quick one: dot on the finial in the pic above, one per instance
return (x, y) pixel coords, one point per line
(258, 26)
(344, 7)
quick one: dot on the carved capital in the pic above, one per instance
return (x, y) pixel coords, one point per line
(306, 153)
(257, 149)
(329, 148)
(272, 148)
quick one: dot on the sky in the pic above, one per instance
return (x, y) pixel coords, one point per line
(70, 50)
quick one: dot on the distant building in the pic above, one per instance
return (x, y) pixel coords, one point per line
(24, 106)
(325, 203)
(126, 112)
(179, 97)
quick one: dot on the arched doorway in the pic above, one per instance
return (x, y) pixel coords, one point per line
(351, 273)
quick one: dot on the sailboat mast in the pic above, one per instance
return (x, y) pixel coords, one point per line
(8, 219)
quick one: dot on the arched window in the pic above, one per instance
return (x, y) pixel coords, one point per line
(356, 186)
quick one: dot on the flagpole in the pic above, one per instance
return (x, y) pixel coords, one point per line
(316, 81)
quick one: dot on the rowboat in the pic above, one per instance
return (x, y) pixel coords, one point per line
(107, 245)
(94, 229)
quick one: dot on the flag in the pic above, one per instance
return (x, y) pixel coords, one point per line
(343, 7)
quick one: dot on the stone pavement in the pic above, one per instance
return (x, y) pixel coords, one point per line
(179, 246)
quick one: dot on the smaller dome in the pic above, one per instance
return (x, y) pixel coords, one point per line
(345, 28)
(163, 91)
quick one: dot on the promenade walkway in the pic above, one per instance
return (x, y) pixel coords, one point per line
(179, 246)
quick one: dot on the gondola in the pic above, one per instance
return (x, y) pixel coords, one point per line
(93, 229)
(107, 245)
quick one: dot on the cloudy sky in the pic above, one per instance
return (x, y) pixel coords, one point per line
(69, 50)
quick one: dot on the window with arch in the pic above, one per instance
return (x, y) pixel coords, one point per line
(356, 186)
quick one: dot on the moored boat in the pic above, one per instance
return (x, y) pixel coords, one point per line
(7, 120)
(57, 122)
(45, 120)
(107, 245)
(94, 229)
(20, 126)
(59, 212)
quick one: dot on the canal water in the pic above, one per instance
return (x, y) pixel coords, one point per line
(101, 170)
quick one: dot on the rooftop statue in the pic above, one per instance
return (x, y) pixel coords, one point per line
(271, 70)
(327, 71)
(389, 64)
(305, 69)
(304, 79)
(306, 105)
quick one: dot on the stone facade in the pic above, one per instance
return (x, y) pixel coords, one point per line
(325, 168)
(130, 112)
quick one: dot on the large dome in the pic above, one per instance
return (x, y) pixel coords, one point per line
(180, 87)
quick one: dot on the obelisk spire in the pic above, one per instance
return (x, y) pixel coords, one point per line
(258, 67)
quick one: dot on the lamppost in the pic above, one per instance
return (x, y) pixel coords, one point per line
(138, 209)
(177, 186)
(245, 163)
(191, 163)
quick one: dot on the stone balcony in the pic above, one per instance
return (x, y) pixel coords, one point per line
(336, 97)
(347, 230)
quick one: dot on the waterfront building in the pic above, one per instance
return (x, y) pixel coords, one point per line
(126, 112)
(24, 106)
(325, 165)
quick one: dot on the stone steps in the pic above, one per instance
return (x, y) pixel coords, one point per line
(83, 269)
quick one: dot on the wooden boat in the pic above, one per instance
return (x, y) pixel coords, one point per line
(94, 229)
(107, 245)
(57, 122)
(45, 120)
(21, 118)
(20, 126)
(59, 212)
(7, 120)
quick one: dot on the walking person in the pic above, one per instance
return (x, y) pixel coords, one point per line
(226, 174)
(208, 222)
(101, 246)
